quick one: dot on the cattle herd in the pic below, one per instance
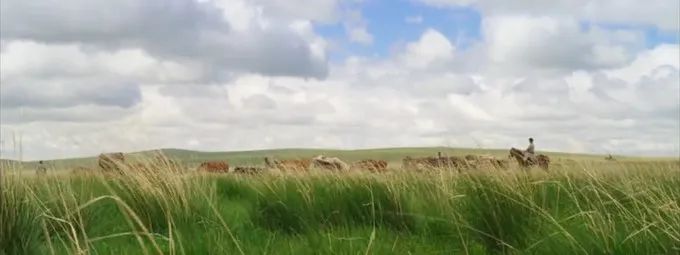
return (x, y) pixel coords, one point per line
(116, 162)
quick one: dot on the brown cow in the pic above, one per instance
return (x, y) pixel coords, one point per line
(248, 170)
(214, 167)
(433, 162)
(471, 157)
(418, 163)
(486, 162)
(111, 162)
(371, 165)
(330, 163)
(288, 164)
(455, 162)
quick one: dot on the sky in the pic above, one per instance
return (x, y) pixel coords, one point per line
(82, 77)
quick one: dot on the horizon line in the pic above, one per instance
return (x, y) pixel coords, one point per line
(332, 149)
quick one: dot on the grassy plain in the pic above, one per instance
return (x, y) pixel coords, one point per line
(583, 205)
(394, 156)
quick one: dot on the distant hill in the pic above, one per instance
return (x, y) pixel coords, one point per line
(255, 157)
(8, 162)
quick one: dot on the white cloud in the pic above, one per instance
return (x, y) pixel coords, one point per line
(22, 59)
(448, 3)
(662, 55)
(57, 93)
(323, 11)
(433, 48)
(465, 107)
(76, 92)
(414, 19)
(517, 42)
(663, 14)
(186, 31)
(356, 28)
(83, 113)
(360, 35)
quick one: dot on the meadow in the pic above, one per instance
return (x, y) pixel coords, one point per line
(582, 205)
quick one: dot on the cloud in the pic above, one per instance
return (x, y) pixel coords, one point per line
(647, 61)
(323, 11)
(259, 102)
(433, 48)
(414, 19)
(236, 75)
(186, 31)
(448, 3)
(80, 114)
(58, 77)
(60, 93)
(662, 14)
(517, 42)
(21, 59)
(360, 35)
(356, 28)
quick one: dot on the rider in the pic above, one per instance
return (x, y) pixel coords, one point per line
(41, 168)
(529, 152)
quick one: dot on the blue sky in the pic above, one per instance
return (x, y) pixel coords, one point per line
(654, 37)
(387, 23)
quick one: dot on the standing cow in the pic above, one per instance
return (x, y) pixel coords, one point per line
(288, 165)
(439, 162)
(111, 162)
(486, 162)
(330, 163)
(248, 170)
(214, 167)
(371, 165)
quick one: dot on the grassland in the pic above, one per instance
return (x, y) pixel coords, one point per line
(394, 156)
(583, 205)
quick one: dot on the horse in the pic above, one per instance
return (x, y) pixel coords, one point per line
(542, 161)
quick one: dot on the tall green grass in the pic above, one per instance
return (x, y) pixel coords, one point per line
(604, 208)
(20, 228)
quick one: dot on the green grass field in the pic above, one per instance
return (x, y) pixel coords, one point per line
(583, 205)
(394, 156)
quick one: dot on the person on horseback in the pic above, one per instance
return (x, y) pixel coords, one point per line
(529, 155)
(41, 169)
